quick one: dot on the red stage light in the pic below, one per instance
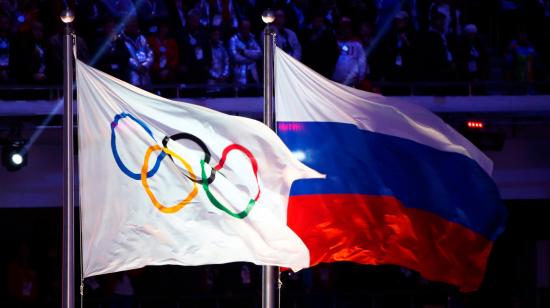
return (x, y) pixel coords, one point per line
(475, 124)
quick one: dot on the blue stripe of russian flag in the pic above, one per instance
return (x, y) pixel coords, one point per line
(357, 161)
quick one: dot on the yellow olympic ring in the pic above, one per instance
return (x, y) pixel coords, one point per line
(145, 168)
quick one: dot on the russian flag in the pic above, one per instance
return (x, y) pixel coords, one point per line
(401, 187)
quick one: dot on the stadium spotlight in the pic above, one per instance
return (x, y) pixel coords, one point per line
(14, 155)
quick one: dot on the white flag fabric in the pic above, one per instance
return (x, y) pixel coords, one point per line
(166, 182)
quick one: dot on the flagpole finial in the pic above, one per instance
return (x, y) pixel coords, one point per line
(67, 16)
(268, 16)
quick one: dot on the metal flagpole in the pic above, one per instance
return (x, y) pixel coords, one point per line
(270, 274)
(68, 165)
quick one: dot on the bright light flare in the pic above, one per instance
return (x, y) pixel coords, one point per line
(299, 155)
(16, 159)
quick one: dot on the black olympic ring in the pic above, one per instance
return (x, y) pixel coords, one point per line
(203, 147)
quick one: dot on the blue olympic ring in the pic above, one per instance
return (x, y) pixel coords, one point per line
(135, 176)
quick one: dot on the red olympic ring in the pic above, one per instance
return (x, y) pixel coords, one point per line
(248, 154)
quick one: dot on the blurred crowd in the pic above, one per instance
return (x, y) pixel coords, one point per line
(32, 278)
(354, 42)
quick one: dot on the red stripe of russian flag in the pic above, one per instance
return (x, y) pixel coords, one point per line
(379, 230)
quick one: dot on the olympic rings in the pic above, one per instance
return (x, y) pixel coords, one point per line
(145, 184)
(114, 124)
(204, 181)
(203, 147)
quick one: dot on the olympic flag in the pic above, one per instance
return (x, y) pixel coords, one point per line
(402, 187)
(165, 182)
